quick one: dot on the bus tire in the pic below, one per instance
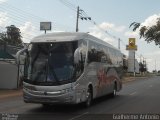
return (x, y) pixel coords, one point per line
(46, 105)
(88, 101)
(114, 93)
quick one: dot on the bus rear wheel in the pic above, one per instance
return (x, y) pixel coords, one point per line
(46, 105)
(89, 98)
(114, 93)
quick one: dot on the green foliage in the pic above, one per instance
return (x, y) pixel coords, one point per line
(142, 31)
(142, 67)
(136, 25)
(12, 36)
(3, 37)
(149, 33)
(154, 71)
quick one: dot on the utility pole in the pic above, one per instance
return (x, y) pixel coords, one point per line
(79, 15)
(77, 19)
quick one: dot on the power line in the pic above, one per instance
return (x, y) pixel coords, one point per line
(76, 1)
(22, 11)
(84, 15)
(68, 4)
(19, 17)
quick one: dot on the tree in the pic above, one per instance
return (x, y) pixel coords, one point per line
(3, 41)
(3, 37)
(13, 35)
(154, 71)
(142, 67)
(150, 34)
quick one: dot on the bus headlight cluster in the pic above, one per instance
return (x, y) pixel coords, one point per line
(66, 90)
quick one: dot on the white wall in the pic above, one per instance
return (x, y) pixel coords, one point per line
(131, 62)
(8, 75)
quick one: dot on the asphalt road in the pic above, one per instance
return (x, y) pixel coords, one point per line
(137, 97)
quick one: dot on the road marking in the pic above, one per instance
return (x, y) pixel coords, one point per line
(78, 116)
(133, 93)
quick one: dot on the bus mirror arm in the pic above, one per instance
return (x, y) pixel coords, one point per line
(19, 53)
(77, 56)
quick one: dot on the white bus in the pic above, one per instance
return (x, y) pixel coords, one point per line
(70, 68)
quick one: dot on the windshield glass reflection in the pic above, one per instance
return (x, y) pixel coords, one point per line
(51, 63)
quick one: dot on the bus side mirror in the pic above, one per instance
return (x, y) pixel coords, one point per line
(77, 56)
(20, 56)
(20, 61)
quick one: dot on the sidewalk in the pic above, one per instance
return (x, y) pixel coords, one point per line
(10, 93)
(129, 79)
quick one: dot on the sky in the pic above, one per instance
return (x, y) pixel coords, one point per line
(112, 16)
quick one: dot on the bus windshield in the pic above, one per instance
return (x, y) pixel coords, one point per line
(50, 63)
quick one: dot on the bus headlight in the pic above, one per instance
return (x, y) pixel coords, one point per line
(66, 90)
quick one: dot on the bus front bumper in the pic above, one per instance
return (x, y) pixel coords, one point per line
(49, 97)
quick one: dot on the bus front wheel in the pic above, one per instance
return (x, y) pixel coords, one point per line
(89, 97)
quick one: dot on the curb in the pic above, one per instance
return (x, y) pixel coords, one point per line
(8, 93)
(130, 79)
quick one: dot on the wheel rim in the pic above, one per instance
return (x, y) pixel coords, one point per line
(114, 92)
(89, 98)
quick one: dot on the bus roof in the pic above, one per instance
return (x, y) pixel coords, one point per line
(68, 36)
